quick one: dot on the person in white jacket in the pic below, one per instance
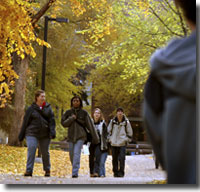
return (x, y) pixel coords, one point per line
(119, 134)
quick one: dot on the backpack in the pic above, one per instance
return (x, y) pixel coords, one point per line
(125, 127)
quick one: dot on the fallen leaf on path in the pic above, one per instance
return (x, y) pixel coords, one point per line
(13, 161)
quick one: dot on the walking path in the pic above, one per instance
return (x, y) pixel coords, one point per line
(140, 169)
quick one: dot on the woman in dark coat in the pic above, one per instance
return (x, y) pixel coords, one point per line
(78, 123)
(38, 127)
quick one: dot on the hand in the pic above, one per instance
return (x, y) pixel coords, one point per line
(74, 116)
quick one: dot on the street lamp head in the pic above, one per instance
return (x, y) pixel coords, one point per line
(64, 20)
(59, 19)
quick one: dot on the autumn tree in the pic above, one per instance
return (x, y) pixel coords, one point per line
(63, 59)
(139, 28)
(117, 37)
(17, 46)
(18, 35)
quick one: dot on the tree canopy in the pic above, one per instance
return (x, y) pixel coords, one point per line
(122, 59)
(108, 42)
(17, 35)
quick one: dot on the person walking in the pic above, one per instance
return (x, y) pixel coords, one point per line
(38, 127)
(170, 103)
(79, 124)
(92, 149)
(119, 134)
(100, 153)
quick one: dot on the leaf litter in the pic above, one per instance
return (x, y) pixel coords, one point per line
(13, 161)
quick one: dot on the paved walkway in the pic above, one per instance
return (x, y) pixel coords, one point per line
(140, 169)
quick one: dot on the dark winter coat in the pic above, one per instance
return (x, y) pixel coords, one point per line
(77, 127)
(38, 122)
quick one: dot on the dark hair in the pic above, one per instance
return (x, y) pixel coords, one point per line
(189, 8)
(76, 96)
(120, 109)
(38, 93)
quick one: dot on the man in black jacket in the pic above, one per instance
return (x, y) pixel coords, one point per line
(38, 127)
(79, 123)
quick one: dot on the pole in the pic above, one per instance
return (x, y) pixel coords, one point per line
(60, 20)
(44, 53)
(44, 64)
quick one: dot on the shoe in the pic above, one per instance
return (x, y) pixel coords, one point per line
(116, 175)
(74, 176)
(102, 176)
(47, 174)
(92, 175)
(28, 174)
(95, 175)
(120, 174)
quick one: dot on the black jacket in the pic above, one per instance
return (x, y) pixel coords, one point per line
(38, 122)
(76, 127)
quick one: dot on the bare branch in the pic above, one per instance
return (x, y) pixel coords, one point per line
(163, 6)
(152, 46)
(164, 23)
(41, 12)
(182, 23)
(170, 6)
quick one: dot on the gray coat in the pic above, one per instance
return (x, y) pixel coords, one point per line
(170, 108)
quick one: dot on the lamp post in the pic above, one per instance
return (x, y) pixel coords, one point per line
(60, 20)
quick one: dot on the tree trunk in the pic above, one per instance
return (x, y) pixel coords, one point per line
(20, 67)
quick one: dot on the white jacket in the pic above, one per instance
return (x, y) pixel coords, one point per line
(119, 134)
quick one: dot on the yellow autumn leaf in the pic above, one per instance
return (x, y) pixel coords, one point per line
(22, 56)
(4, 87)
(13, 160)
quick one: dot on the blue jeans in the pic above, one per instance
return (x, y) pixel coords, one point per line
(32, 143)
(75, 155)
(100, 159)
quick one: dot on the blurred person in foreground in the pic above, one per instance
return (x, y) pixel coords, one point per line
(170, 103)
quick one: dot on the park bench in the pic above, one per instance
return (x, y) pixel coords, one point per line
(141, 148)
(64, 145)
